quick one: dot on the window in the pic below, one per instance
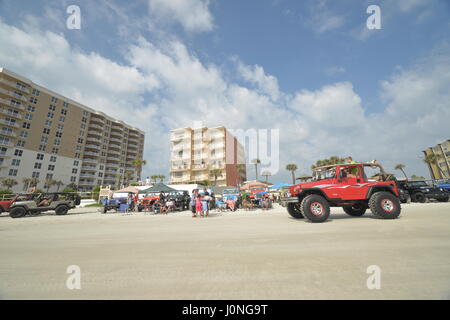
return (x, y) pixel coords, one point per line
(49, 176)
(80, 140)
(58, 134)
(24, 134)
(65, 105)
(74, 170)
(33, 100)
(28, 117)
(77, 155)
(60, 126)
(78, 148)
(101, 167)
(50, 115)
(62, 119)
(85, 113)
(52, 107)
(83, 126)
(73, 179)
(53, 159)
(57, 142)
(84, 119)
(12, 172)
(44, 139)
(15, 162)
(54, 100)
(18, 153)
(64, 111)
(48, 123)
(37, 165)
(51, 167)
(26, 125)
(36, 92)
(100, 174)
(42, 147)
(20, 143)
(75, 163)
(40, 156)
(3, 150)
(46, 131)
(35, 174)
(55, 150)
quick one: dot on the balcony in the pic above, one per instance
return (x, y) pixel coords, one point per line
(92, 153)
(111, 172)
(8, 133)
(95, 126)
(114, 152)
(94, 133)
(98, 119)
(86, 183)
(11, 114)
(10, 103)
(92, 139)
(5, 144)
(109, 159)
(116, 134)
(89, 168)
(13, 94)
(87, 175)
(9, 123)
(14, 85)
(90, 160)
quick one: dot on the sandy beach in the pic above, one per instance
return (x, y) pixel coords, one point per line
(240, 255)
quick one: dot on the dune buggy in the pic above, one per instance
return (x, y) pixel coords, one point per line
(354, 187)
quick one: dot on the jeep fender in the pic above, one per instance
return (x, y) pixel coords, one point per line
(374, 189)
(309, 191)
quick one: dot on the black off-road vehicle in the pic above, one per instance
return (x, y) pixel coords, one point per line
(420, 191)
(37, 203)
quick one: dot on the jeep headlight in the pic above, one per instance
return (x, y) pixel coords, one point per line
(427, 190)
(441, 189)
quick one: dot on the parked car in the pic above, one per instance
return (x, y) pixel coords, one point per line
(6, 203)
(420, 191)
(444, 184)
(114, 204)
(37, 203)
(354, 187)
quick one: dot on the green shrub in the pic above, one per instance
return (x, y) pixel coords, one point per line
(96, 193)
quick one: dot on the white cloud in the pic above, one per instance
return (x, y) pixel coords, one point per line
(267, 84)
(193, 15)
(321, 18)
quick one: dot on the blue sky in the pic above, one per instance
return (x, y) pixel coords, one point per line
(309, 68)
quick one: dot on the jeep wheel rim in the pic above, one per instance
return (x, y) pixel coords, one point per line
(316, 208)
(387, 205)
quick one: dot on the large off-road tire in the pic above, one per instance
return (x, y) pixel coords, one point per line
(18, 212)
(294, 210)
(443, 199)
(385, 205)
(355, 211)
(418, 197)
(315, 208)
(61, 210)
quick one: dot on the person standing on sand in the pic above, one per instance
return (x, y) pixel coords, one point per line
(198, 206)
(205, 202)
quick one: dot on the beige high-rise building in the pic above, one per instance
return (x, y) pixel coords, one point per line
(211, 154)
(45, 135)
(442, 152)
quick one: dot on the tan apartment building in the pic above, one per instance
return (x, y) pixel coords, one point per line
(45, 135)
(442, 151)
(211, 154)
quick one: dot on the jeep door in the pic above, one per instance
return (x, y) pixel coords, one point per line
(353, 185)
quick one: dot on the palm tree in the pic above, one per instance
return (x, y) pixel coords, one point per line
(59, 184)
(400, 167)
(240, 168)
(154, 177)
(119, 179)
(139, 163)
(304, 177)
(433, 158)
(256, 162)
(9, 183)
(292, 167)
(49, 183)
(72, 186)
(216, 173)
(34, 182)
(26, 183)
(126, 177)
(161, 177)
(266, 174)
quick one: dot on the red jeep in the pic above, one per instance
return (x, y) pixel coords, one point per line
(5, 204)
(354, 187)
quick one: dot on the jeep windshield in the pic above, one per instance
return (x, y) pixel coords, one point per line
(322, 174)
(418, 184)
